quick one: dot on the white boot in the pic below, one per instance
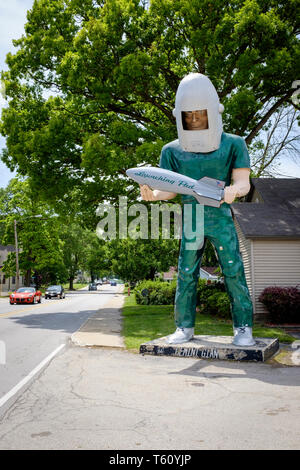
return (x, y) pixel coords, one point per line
(181, 335)
(243, 336)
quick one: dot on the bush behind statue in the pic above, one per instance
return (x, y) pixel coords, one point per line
(283, 303)
(205, 290)
(211, 298)
(155, 292)
(219, 304)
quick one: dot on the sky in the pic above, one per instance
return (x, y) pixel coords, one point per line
(12, 20)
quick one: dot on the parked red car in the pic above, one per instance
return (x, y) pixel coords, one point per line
(25, 295)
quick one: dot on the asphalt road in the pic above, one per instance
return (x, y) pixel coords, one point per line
(109, 399)
(31, 334)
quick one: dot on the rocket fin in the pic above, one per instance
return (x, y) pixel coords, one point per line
(206, 201)
(214, 183)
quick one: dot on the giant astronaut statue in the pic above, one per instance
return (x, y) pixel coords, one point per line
(203, 149)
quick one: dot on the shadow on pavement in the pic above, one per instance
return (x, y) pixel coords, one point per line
(68, 322)
(268, 372)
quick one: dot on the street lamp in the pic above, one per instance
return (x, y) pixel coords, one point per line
(17, 249)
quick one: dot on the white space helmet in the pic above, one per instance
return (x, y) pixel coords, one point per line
(196, 93)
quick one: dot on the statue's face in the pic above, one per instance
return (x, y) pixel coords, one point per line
(195, 120)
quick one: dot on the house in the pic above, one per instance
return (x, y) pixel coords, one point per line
(7, 284)
(268, 227)
(209, 273)
(206, 272)
(170, 275)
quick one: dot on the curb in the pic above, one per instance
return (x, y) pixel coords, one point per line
(289, 356)
(103, 329)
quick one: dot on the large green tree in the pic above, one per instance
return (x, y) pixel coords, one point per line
(91, 87)
(133, 260)
(97, 261)
(80, 250)
(37, 228)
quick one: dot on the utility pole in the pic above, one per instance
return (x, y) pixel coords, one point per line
(17, 255)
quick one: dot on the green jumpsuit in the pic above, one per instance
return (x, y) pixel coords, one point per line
(218, 228)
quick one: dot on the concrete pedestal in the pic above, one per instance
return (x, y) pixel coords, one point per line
(213, 347)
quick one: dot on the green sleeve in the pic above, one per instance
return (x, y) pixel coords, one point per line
(241, 155)
(167, 160)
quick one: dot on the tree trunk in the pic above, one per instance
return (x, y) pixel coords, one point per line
(28, 277)
(152, 273)
(71, 280)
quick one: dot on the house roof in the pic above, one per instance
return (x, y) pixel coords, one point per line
(278, 216)
(278, 191)
(266, 221)
(173, 271)
(210, 270)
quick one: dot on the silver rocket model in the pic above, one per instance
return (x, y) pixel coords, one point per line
(207, 191)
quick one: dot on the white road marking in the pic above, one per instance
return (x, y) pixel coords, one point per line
(24, 381)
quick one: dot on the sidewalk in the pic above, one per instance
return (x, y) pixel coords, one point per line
(104, 328)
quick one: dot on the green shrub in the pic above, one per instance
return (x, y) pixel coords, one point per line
(211, 304)
(155, 292)
(218, 304)
(224, 306)
(205, 290)
(158, 292)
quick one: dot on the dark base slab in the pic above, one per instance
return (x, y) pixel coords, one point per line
(213, 347)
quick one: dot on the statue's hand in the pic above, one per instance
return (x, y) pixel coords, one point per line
(230, 193)
(147, 193)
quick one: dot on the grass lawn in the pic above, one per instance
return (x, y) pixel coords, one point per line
(142, 323)
(75, 286)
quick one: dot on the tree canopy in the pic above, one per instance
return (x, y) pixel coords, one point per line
(51, 248)
(40, 247)
(92, 85)
(133, 260)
